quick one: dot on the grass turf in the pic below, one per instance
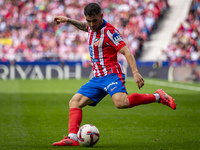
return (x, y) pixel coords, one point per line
(34, 114)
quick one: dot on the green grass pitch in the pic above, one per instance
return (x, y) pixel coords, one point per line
(34, 114)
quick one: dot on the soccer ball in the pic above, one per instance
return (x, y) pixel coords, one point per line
(88, 135)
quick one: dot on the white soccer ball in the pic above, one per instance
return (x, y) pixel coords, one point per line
(88, 135)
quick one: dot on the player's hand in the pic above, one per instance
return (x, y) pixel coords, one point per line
(60, 19)
(138, 79)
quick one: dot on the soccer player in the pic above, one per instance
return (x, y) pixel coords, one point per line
(108, 77)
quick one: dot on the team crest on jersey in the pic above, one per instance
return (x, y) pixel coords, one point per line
(96, 42)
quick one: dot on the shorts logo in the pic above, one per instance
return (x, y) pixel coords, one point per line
(113, 88)
(113, 83)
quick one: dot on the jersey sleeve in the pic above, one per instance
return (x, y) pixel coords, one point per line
(114, 39)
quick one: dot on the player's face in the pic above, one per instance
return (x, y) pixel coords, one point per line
(95, 21)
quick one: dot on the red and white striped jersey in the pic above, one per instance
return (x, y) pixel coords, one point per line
(103, 47)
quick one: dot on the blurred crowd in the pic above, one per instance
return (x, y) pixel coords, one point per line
(185, 43)
(28, 32)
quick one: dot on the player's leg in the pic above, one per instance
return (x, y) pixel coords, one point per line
(122, 100)
(88, 94)
(79, 101)
(116, 89)
(76, 104)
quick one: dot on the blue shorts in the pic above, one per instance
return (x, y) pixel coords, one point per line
(98, 87)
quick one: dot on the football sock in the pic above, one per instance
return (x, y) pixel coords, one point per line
(75, 118)
(73, 136)
(136, 99)
(157, 97)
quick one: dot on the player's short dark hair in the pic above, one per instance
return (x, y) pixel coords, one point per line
(92, 9)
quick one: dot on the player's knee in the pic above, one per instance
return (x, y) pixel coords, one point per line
(73, 103)
(79, 101)
(70, 103)
(121, 103)
(120, 100)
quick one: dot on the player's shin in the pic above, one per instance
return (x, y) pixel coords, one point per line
(75, 118)
(136, 99)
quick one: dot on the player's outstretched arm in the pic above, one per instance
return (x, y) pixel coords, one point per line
(131, 61)
(79, 24)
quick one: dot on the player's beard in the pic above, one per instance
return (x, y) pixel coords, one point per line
(94, 28)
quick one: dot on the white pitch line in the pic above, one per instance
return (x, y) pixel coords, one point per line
(38, 92)
(173, 85)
